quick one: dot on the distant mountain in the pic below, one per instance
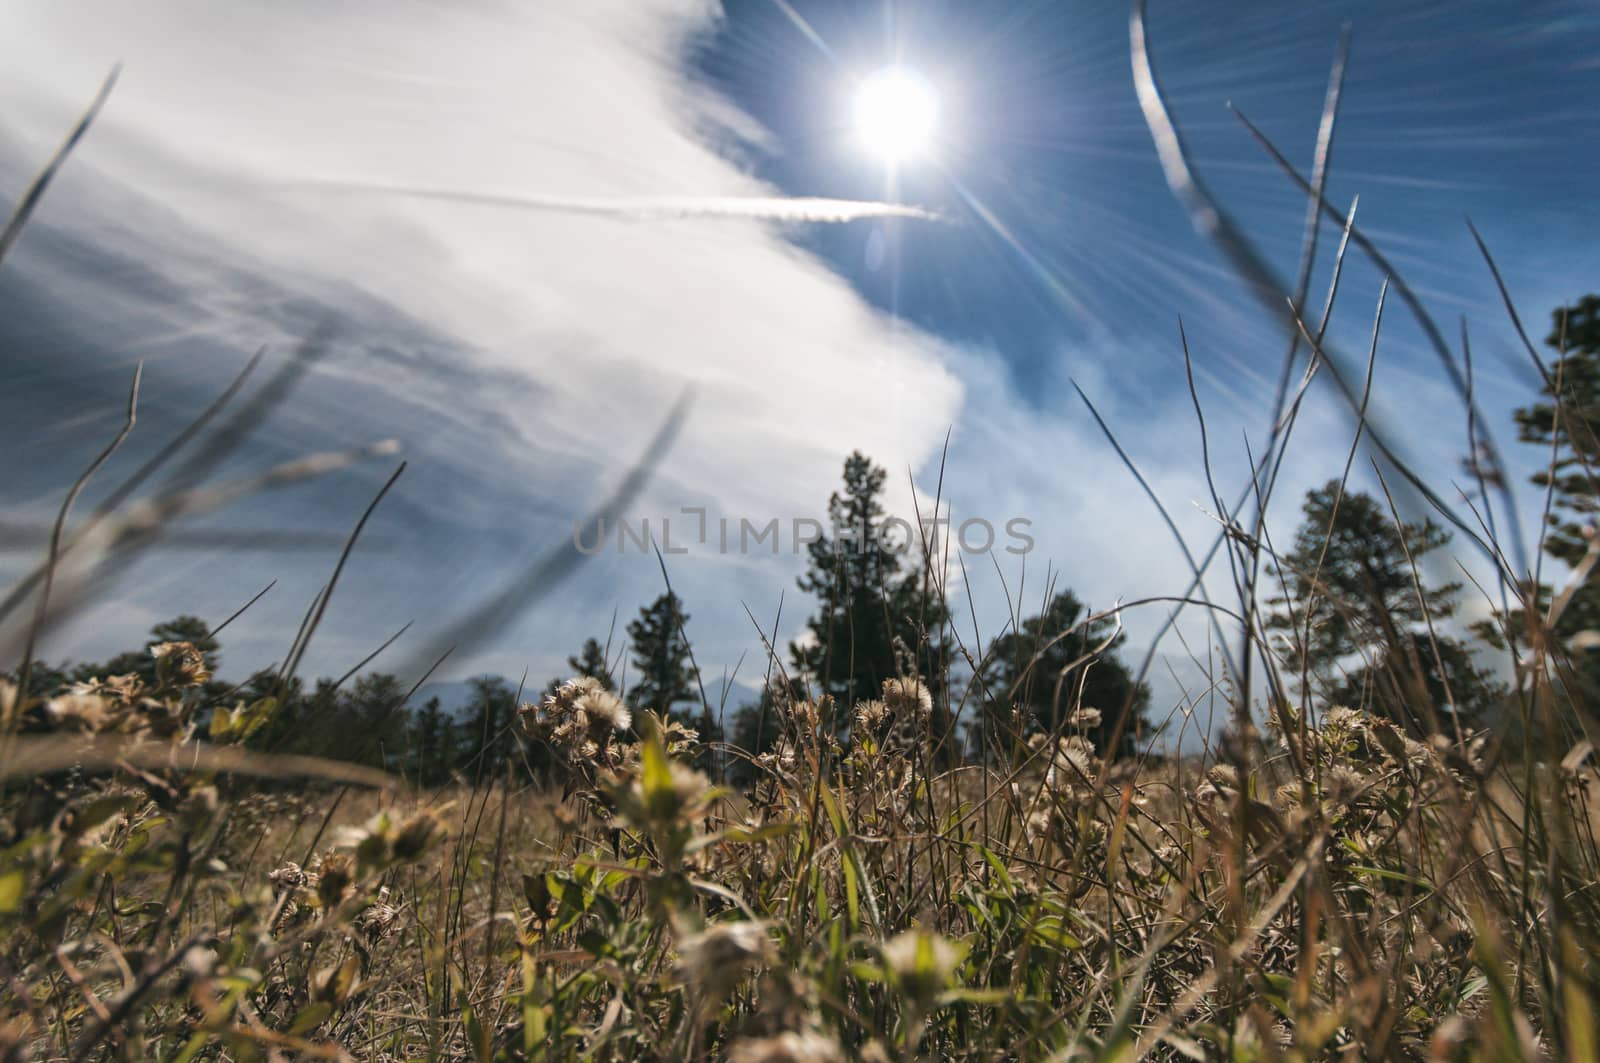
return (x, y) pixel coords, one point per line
(453, 694)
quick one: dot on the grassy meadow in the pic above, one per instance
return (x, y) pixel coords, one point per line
(926, 867)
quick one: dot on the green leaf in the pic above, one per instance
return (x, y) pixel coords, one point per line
(869, 972)
(998, 867)
(12, 885)
(766, 833)
(852, 899)
(309, 1018)
(249, 719)
(97, 811)
(1050, 929)
(335, 984)
(592, 941)
(477, 1036)
(655, 778)
(975, 996)
(855, 876)
(1396, 876)
(192, 1047)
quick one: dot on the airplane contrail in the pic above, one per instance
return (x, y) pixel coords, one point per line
(656, 208)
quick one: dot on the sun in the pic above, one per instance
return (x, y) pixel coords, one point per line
(897, 114)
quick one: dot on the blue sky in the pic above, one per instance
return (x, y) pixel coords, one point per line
(523, 359)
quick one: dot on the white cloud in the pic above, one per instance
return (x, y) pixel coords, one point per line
(583, 329)
(577, 332)
(222, 107)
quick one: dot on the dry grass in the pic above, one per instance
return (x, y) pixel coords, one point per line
(1352, 891)
(1330, 887)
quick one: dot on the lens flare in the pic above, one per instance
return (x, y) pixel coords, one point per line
(897, 114)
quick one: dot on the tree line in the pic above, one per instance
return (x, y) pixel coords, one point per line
(1355, 624)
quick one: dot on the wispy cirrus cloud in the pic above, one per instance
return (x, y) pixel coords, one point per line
(521, 347)
(659, 208)
(545, 229)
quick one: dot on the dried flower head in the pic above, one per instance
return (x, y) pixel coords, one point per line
(199, 961)
(199, 805)
(1206, 796)
(679, 740)
(1072, 766)
(1085, 718)
(908, 697)
(163, 717)
(871, 715)
(291, 876)
(80, 712)
(606, 709)
(806, 716)
(787, 1047)
(335, 878)
(691, 790)
(379, 920)
(580, 716)
(417, 835)
(921, 962)
(180, 664)
(1343, 782)
(719, 956)
(1223, 776)
(120, 690)
(1340, 718)
(566, 696)
(783, 758)
(1040, 821)
(663, 797)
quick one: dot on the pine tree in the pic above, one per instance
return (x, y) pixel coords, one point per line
(1366, 641)
(433, 744)
(373, 720)
(1029, 668)
(286, 729)
(591, 661)
(758, 726)
(662, 674)
(709, 731)
(45, 678)
(486, 733)
(364, 723)
(139, 662)
(875, 620)
(1568, 425)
